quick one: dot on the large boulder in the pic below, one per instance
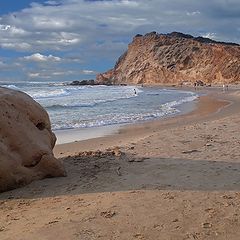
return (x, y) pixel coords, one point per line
(26, 141)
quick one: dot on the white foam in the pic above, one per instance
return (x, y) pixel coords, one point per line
(166, 109)
(49, 94)
(11, 86)
(92, 106)
(179, 102)
(76, 97)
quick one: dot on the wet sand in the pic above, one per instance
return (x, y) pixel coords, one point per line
(176, 178)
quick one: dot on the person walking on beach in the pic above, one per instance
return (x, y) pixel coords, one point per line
(195, 86)
(223, 87)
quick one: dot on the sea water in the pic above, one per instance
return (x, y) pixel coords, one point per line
(74, 107)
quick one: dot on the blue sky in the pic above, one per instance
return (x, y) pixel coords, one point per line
(67, 40)
(13, 5)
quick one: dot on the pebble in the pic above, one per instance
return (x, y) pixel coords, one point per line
(206, 225)
(108, 214)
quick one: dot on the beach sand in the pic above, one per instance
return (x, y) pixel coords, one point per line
(176, 178)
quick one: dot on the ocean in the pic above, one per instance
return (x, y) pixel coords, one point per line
(74, 107)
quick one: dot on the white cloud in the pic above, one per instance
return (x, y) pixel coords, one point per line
(63, 73)
(193, 13)
(77, 24)
(4, 27)
(33, 75)
(7, 65)
(37, 57)
(210, 35)
(13, 31)
(20, 46)
(48, 22)
(88, 72)
(51, 2)
(38, 75)
(56, 73)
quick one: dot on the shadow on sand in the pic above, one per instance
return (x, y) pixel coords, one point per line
(111, 174)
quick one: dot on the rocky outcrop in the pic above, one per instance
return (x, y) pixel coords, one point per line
(175, 58)
(90, 82)
(26, 141)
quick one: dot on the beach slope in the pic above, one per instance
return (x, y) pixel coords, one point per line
(172, 179)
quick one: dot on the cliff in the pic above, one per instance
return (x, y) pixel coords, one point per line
(26, 141)
(174, 58)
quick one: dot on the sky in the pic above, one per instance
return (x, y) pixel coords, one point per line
(66, 40)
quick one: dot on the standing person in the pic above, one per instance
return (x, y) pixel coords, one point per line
(224, 87)
(135, 92)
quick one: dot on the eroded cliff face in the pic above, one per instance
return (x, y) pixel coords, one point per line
(26, 141)
(174, 58)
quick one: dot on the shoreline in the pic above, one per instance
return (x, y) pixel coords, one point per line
(116, 134)
(79, 134)
(67, 136)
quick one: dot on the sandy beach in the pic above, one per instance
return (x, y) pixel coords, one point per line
(176, 178)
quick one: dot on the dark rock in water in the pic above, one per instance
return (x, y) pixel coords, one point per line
(83, 82)
(90, 82)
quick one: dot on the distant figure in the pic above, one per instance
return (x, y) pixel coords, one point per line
(135, 92)
(195, 86)
(227, 87)
(224, 87)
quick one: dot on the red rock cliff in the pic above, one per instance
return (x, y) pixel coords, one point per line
(173, 58)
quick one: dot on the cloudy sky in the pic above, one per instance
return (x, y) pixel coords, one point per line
(68, 40)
